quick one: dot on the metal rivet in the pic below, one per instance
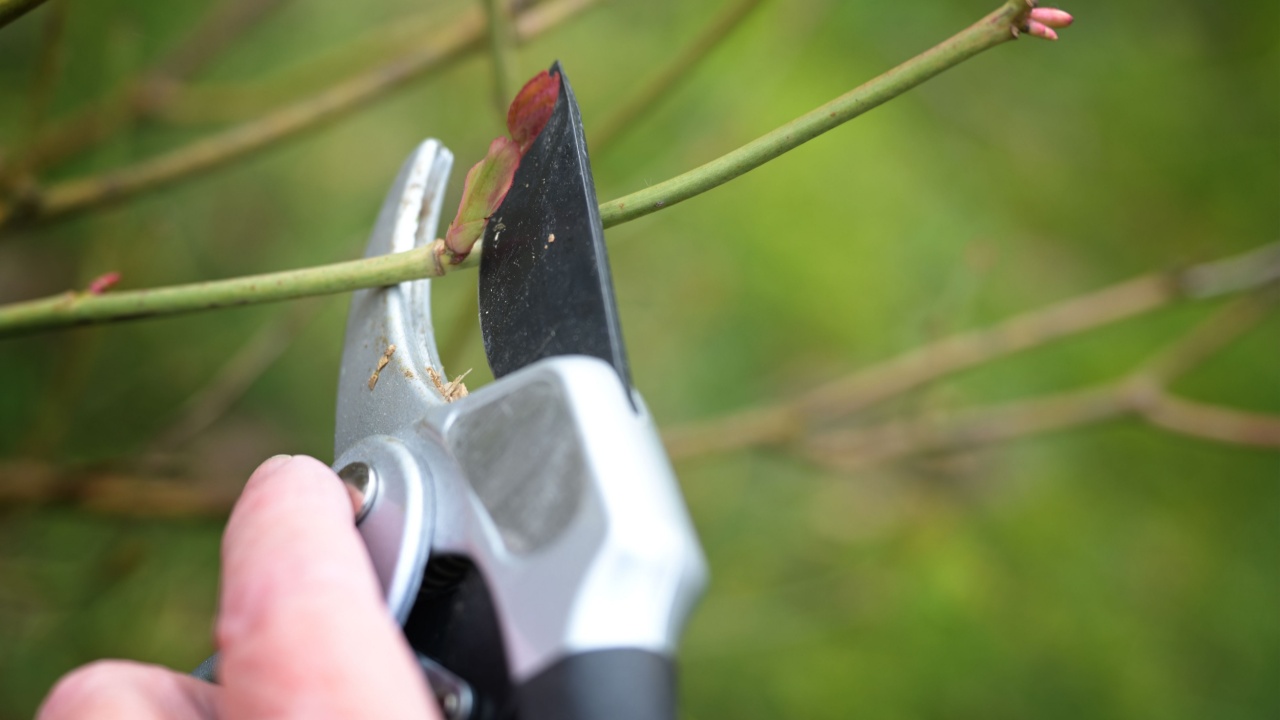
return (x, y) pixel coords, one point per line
(362, 486)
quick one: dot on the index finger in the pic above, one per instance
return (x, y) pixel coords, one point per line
(302, 629)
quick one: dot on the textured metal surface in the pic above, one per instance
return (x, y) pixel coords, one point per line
(525, 463)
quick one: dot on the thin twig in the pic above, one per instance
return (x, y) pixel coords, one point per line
(1143, 394)
(49, 67)
(502, 53)
(995, 29)
(207, 104)
(853, 450)
(236, 142)
(854, 393)
(225, 22)
(1211, 422)
(213, 103)
(849, 450)
(677, 70)
(112, 491)
(1207, 339)
(145, 94)
(76, 308)
(856, 448)
(235, 378)
(11, 10)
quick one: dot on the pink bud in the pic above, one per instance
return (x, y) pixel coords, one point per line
(1041, 30)
(1052, 17)
(103, 283)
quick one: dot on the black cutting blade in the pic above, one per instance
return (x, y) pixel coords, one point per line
(545, 288)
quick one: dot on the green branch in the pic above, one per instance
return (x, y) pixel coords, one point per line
(80, 308)
(650, 94)
(74, 308)
(997, 28)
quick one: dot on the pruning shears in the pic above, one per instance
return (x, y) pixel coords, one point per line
(530, 537)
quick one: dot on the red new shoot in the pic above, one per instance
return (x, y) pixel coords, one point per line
(489, 180)
(103, 283)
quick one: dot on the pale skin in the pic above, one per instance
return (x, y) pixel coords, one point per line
(302, 628)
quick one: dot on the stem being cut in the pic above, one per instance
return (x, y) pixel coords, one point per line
(489, 180)
(456, 249)
(78, 308)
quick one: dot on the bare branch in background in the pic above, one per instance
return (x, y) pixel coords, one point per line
(853, 449)
(225, 23)
(652, 92)
(112, 491)
(1143, 394)
(121, 108)
(74, 195)
(48, 66)
(844, 397)
(235, 378)
(502, 40)
(1211, 422)
(236, 101)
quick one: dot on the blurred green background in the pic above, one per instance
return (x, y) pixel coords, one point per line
(1112, 571)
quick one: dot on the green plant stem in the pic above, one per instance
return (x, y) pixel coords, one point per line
(11, 10)
(502, 52)
(997, 28)
(79, 308)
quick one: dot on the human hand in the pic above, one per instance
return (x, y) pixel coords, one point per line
(302, 629)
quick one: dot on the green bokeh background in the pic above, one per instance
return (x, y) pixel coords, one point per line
(1114, 571)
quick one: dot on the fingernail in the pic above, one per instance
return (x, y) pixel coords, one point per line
(272, 462)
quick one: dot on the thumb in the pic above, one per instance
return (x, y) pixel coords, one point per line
(302, 629)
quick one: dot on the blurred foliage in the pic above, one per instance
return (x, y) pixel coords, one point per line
(1116, 571)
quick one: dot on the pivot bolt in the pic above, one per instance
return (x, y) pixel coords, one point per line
(362, 486)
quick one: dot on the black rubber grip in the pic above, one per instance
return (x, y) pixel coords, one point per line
(602, 685)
